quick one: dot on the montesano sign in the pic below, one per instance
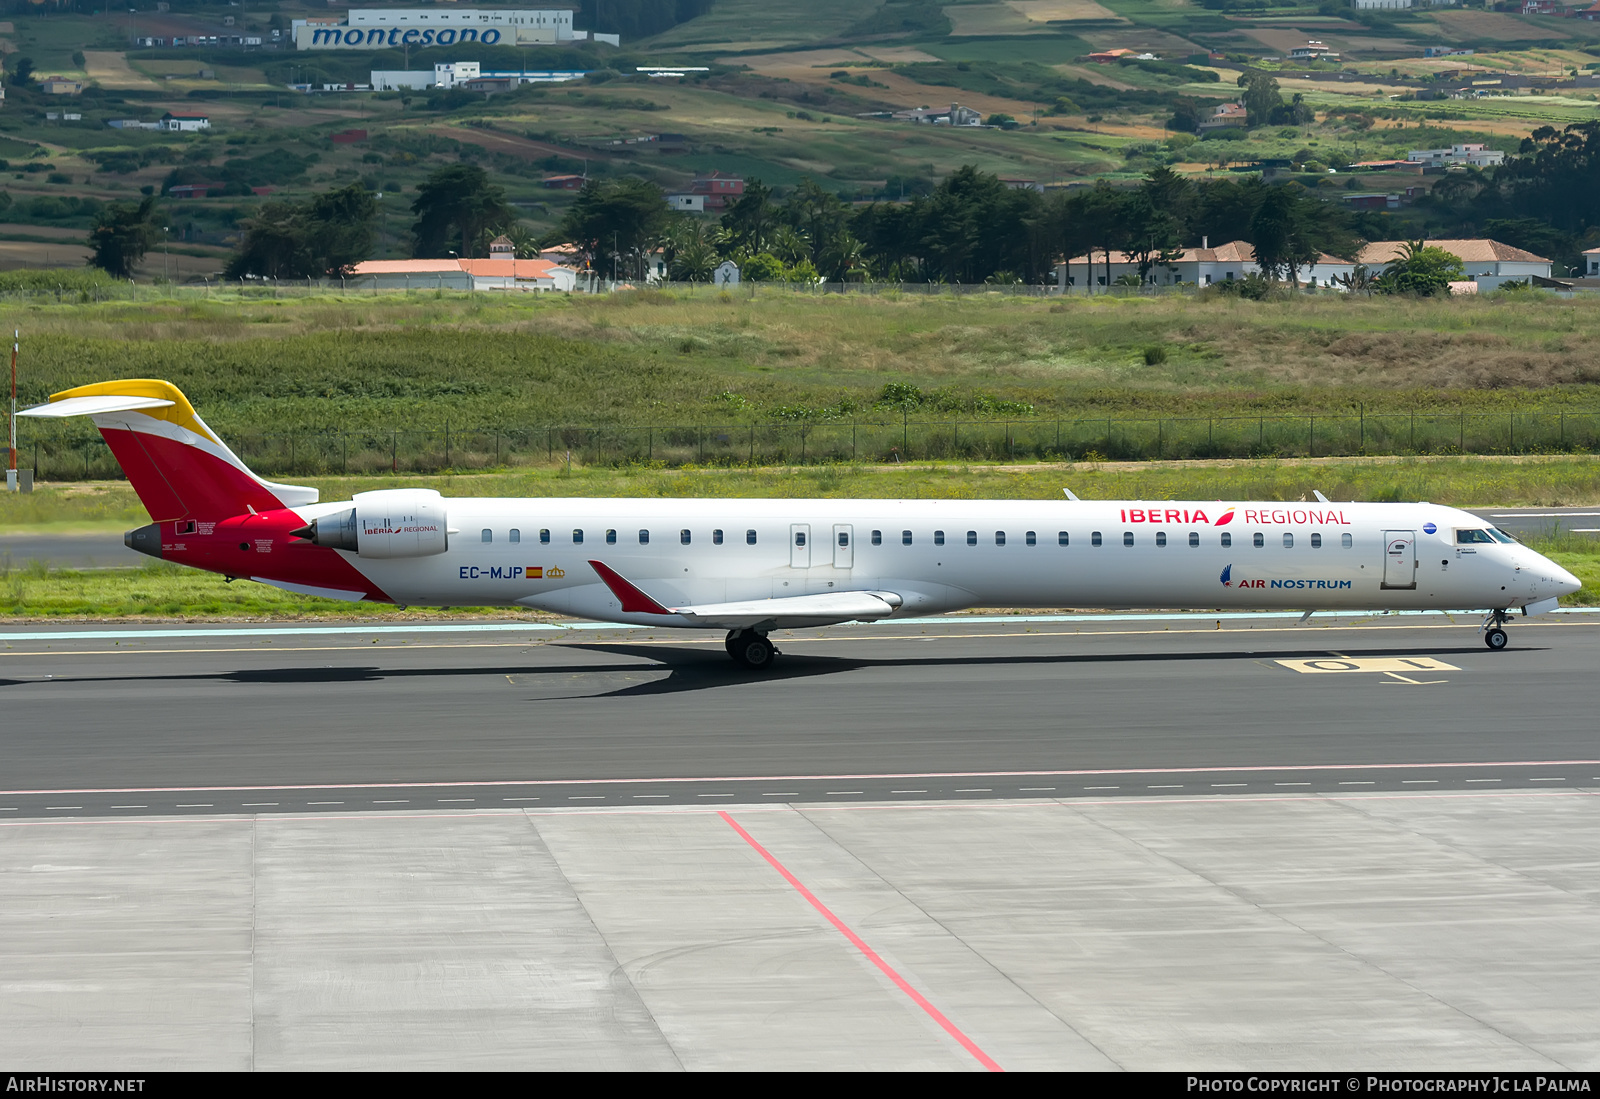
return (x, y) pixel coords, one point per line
(382, 28)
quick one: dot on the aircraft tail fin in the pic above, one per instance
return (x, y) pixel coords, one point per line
(177, 465)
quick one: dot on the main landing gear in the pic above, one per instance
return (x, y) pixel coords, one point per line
(750, 649)
(1494, 634)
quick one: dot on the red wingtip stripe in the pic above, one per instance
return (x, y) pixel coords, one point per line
(633, 600)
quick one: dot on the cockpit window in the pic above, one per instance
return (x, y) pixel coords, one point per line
(1467, 537)
(1501, 536)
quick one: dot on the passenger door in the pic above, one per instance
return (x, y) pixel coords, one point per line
(1399, 559)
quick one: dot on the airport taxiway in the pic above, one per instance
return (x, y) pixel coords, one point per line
(1116, 841)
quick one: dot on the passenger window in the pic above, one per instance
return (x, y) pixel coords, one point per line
(1288, 540)
(1345, 541)
(1194, 539)
(749, 537)
(1227, 539)
(1061, 537)
(516, 536)
(1127, 537)
(844, 538)
(972, 537)
(577, 537)
(683, 536)
(644, 538)
(1316, 541)
(716, 537)
(544, 536)
(938, 537)
(611, 537)
(799, 537)
(999, 537)
(905, 538)
(877, 537)
(1094, 538)
(488, 535)
(1161, 537)
(1031, 538)
(1259, 539)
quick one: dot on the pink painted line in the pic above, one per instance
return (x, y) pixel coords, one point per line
(669, 780)
(871, 955)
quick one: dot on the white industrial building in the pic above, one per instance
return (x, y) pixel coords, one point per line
(380, 28)
(464, 74)
(1469, 155)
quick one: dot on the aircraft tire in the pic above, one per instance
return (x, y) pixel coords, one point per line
(1496, 639)
(752, 651)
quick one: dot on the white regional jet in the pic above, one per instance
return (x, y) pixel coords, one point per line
(753, 566)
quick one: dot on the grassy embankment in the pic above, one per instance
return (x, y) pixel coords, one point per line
(375, 363)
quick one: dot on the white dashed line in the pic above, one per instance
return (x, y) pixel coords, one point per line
(643, 796)
(1102, 787)
(1218, 785)
(1358, 782)
(781, 794)
(1033, 789)
(255, 804)
(713, 795)
(969, 790)
(832, 793)
(908, 791)
(1547, 780)
(130, 807)
(194, 805)
(586, 797)
(324, 803)
(519, 799)
(1170, 786)
(63, 807)
(1417, 781)
(393, 801)
(1291, 784)
(1483, 780)
(444, 800)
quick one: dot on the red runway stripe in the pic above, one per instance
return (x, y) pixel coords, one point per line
(871, 955)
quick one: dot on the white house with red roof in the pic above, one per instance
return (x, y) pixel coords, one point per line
(497, 273)
(1489, 263)
(1591, 263)
(1201, 266)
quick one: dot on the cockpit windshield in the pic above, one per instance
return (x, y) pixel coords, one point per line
(1501, 536)
(1480, 537)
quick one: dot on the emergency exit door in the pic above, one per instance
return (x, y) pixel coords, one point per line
(799, 545)
(1399, 559)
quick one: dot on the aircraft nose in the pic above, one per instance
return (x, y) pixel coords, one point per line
(1565, 582)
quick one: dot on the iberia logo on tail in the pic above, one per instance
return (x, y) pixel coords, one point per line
(1225, 518)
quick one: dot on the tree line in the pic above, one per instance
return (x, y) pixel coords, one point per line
(971, 228)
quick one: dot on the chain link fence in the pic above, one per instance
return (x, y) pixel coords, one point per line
(65, 452)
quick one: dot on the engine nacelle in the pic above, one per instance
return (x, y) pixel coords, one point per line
(386, 523)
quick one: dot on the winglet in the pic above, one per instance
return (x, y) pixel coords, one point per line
(1321, 497)
(1070, 494)
(633, 600)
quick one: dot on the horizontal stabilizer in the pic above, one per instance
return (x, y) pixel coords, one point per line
(92, 406)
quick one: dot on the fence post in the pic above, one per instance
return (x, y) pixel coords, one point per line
(549, 444)
(650, 444)
(1511, 418)
(394, 450)
(852, 440)
(344, 452)
(446, 444)
(497, 449)
(1461, 436)
(1160, 439)
(291, 454)
(1363, 408)
(752, 444)
(1311, 446)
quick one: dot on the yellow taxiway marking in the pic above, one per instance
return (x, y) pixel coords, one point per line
(1393, 665)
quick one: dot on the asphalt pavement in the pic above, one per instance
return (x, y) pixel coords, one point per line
(330, 718)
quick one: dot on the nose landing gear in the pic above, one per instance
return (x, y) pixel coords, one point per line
(750, 649)
(1494, 635)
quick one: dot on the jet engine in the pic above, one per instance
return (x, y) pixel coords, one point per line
(386, 523)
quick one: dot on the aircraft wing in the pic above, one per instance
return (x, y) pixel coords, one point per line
(788, 612)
